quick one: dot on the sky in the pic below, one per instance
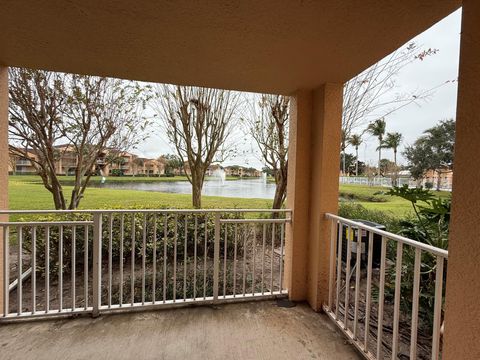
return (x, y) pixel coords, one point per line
(411, 121)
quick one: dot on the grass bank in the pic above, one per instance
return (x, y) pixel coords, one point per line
(33, 196)
(374, 198)
(27, 192)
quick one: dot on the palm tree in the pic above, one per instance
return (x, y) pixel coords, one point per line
(377, 129)
(393, 141)
(355, 141)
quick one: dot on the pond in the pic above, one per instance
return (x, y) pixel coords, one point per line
(252, 188)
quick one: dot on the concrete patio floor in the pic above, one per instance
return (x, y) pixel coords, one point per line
(255, 330)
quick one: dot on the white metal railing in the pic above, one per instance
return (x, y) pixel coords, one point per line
(445, 184)
(378, 326)
(93, 261)
(376, 181)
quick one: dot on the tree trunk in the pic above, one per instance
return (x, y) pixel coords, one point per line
(379, 158)
(58, 198)
(197, 177)
(356, 162)
(439, 180)
(280, 192)
(343, 163)
(196, 196)
(395, 180)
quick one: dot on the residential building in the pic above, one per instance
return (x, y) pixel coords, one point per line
(441, 179)
(126, 163)
(21, 165)
(241, 171)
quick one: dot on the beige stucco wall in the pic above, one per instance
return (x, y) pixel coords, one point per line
(314, 159)
(3, 161)
(462, 316)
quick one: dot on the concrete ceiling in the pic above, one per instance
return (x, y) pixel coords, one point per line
(274, 46)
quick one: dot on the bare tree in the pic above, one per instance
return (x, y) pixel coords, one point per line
(198, 122)
(268, 125)
(371, 94)
(55, 113)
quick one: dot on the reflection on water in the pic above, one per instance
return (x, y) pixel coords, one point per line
(235, 188)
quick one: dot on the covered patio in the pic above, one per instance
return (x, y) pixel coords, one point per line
(303, 49)
(256, 330)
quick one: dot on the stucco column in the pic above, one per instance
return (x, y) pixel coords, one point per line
(462, 314)
(3, 162)
(314, 165)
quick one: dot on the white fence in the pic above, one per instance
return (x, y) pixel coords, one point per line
(67, 262)
(370, 303)
(387, 182)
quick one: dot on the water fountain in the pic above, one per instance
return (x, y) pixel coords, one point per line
(264, 178)
(220, 175)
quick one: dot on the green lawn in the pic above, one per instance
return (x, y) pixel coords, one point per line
(374, 198)
(27, 192)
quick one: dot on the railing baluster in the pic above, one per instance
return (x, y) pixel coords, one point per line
(154, 275)
(272, 258)
(165, 235)
(34, 270)
(347, 277)
(339, 268)
(216, 257)
(437, 312)
(415, 300)
(47, 269)
(19, 268)
(195, 259)
(254, 254)
(368, 290)
(185, 259)
(97, 263)
(60, 269)
(225, 247)
(205, 259)
(264, 235)
(235, 241)
(122, 236)
(110, 263)
(73, 270)
(144, 253)
(331, 274)
(85, 267)
(175, 239)
(381, 298)
(132, 263)
(396, 303)
(282, 239)
(244, 259)
(6, 270)
(358, 264)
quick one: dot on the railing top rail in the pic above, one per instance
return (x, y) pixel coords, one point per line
(431, 249)
(107, 211)
(257, 221)
(44, 223)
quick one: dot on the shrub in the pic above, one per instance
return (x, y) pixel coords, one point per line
(359, 212)
(181, 228)
(430, 225)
